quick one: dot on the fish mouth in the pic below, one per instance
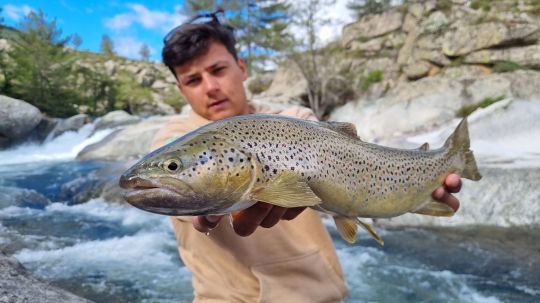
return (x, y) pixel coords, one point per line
(164, 196)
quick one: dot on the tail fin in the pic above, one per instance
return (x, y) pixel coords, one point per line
(458, 143)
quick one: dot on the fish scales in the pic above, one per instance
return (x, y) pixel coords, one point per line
(290, 162)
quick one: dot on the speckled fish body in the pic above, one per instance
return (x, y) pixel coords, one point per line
(229, 164)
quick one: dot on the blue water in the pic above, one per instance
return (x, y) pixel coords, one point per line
(110, 252)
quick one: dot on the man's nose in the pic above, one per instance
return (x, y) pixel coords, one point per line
(211, 84)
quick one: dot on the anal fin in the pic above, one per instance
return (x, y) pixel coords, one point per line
(436, 209)
(371, 231)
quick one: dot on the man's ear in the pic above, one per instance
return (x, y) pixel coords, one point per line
(243, 68)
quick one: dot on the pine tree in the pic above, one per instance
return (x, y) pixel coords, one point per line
(367, 7)
(144, 52)
(42, 65)
(259, 26)
(107, 46)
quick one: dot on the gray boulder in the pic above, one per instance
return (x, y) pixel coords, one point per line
(17, 285)
(17, 118)
(288, 86)
(528, 56)
(21, 197)
(372, 26)
(469, 38)
(124, 144)
(73, 123)
(116, 118)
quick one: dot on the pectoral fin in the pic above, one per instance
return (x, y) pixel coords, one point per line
(347, 228)
(286, 190)
(436, 209)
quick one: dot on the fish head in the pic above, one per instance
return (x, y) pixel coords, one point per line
(194, 175)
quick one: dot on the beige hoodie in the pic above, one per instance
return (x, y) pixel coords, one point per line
(294, 261)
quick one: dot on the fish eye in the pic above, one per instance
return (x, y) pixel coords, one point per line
(171, 165)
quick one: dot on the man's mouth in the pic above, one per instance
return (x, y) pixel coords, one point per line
(217, 103)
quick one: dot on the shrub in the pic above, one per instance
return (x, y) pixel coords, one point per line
(373, 77)
(506, 67)
(468, 109)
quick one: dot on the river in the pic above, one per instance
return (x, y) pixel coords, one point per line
(110, 252)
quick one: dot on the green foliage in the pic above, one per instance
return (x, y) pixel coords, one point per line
(259, 26)
(444, 5)
(107, 46)
(468, 109)
(506, 67)
(129, 94)
(174, 98)
(368, 7)
(484, 5)
(373, 77)
(41, 62)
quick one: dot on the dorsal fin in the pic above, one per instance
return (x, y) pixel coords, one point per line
(424, 147)
(346, 128)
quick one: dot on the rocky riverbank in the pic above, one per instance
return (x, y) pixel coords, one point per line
(17, 285)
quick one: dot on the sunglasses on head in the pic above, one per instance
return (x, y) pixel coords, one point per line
(210, 18)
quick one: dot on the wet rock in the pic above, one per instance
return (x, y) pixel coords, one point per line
(17, 118)
(116, 118)
(73, 123)
(128, 143)
(18, 285)
(22, 197)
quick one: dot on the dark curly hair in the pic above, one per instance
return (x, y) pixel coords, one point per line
(191, 40)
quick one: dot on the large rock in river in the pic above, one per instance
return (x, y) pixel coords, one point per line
(17, 119)
(18, 285)
(130, 142)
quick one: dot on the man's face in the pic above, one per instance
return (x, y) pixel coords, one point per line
(213, 83)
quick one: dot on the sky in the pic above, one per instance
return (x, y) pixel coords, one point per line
(130, 24)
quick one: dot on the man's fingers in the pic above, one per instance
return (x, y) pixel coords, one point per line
(453, 183)
(247, 221)
(273, 216)
(205, 224)
(441, 195)
(292, 213)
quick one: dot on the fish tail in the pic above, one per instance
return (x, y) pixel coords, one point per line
(458, 144)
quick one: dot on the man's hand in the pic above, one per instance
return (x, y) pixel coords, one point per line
(245, 222)
(266, 215)
(443, 194)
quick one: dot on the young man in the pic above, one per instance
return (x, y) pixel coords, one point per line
(285, 261)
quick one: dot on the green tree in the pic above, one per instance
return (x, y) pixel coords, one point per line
(42, 65)
(311, 58)
(368, 7)
(145, 52)
(76, 40)
(107, 46)
(260, 26)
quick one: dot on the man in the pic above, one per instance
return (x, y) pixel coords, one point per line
(285, 261)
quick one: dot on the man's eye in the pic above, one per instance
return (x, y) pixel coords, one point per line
(219, 69)
(192, 81)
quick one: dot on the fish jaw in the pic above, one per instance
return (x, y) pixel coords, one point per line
(165, 196)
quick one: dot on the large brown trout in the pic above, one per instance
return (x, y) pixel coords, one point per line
(230, 164)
